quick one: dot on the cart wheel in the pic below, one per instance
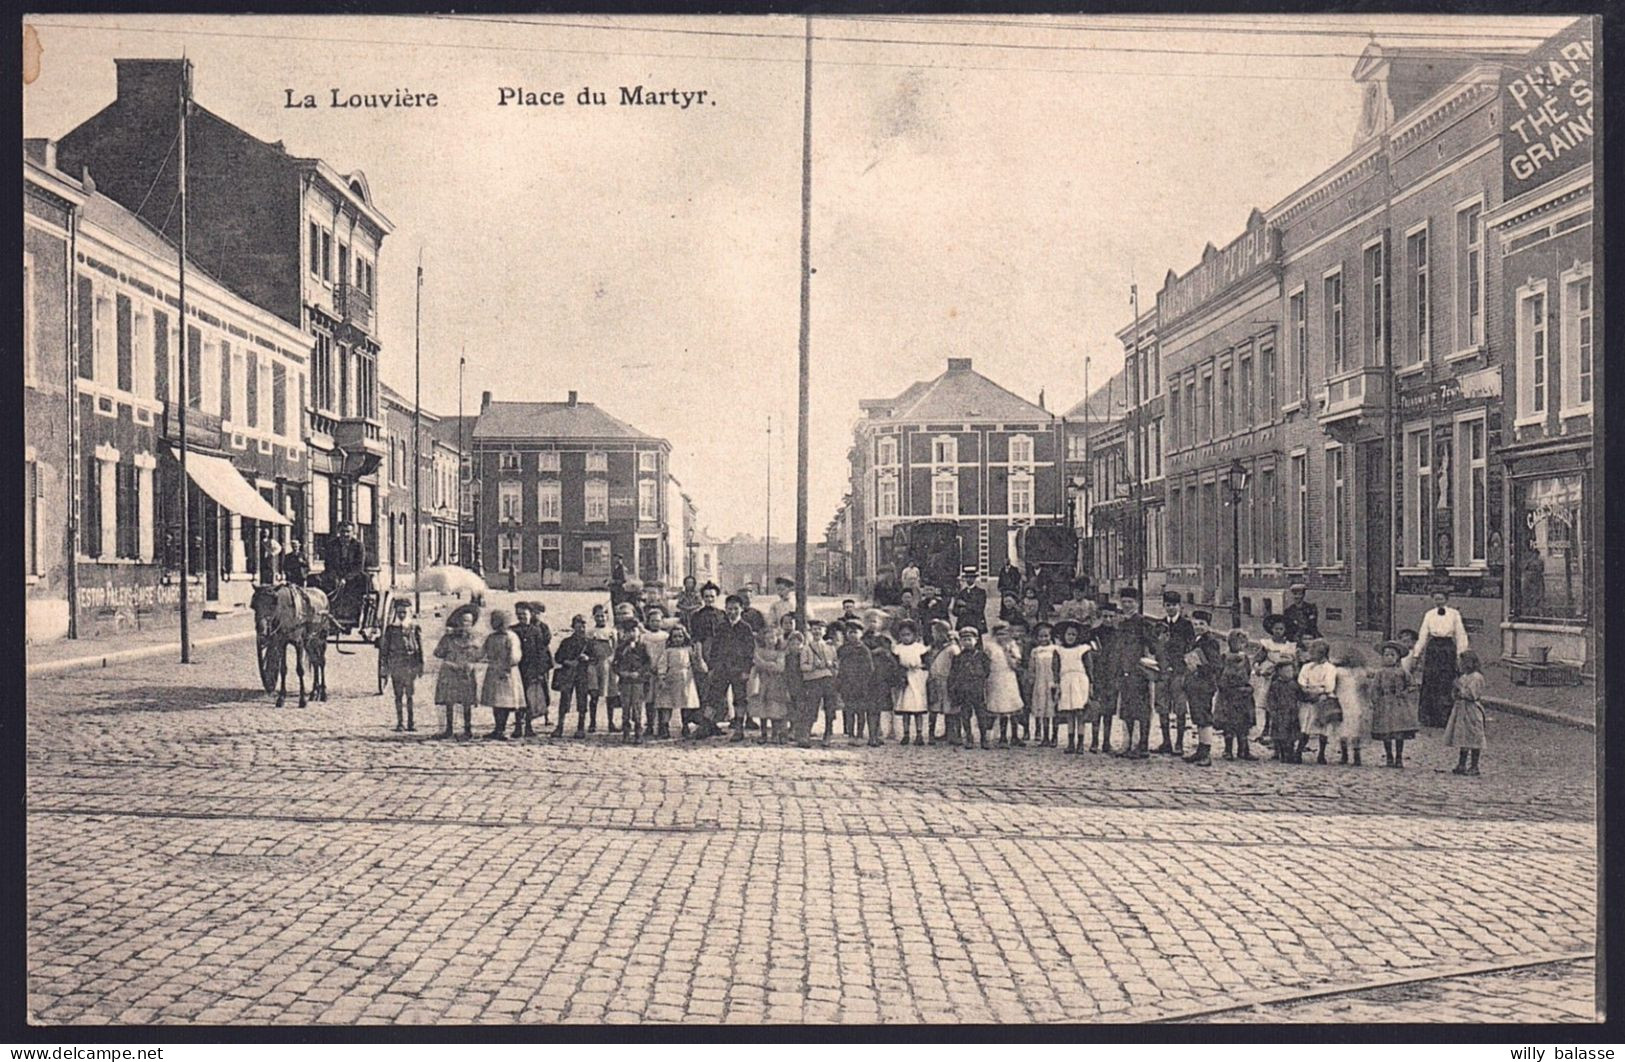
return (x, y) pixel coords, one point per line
(265, 648)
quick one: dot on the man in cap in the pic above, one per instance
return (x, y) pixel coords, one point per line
(970, 603)
(1302, 616)
(1136, 640)
(1202, 684)
(729, 658)
(1175, 637)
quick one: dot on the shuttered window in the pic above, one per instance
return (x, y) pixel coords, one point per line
(87, 329)
(126, 373)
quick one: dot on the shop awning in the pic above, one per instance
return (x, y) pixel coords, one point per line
(221, 481)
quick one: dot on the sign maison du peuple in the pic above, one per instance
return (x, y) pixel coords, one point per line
(1547, 103)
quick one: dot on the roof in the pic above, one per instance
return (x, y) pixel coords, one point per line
(553, 420)
(455, 431)
(1096, 406)
(959, 394)
(389, 394)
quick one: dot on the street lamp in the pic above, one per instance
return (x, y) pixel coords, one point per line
(1235, 480)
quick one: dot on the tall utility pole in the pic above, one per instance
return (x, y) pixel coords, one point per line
(182, 384)
(463, 463)
(1081, 517)
(1132, 437)
(806, 335)
(767, 536)
(417, 444)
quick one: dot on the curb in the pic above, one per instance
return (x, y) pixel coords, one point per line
(125, 656)
(1546, 715)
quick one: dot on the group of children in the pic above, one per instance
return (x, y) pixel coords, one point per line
(874, 672)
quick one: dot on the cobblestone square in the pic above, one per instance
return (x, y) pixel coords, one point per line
(196, 855)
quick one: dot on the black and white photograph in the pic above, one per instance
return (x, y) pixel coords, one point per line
(811, 520)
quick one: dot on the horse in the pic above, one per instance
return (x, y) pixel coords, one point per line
(296, 616)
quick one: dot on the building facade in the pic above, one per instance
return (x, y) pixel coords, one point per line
(1549, 322)
(291, 236)
(438, 462)
(958, 448)
(1097, 483)
(564, 489)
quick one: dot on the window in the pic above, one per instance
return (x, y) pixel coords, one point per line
(548, 549)
(509, 502)
(648, 461)
(1533, 384)
(128, 511)
(1265, 512)
(1156, 448)
(1416, 263)
(321, 372)
(1266, 382)
(1244, 404)
(1578, 343)
(1374, 310)
(1552, 577)
(886, 496)
(944, 450)
(595, 558)
(1076, 446)
(1472, 491)
(1021, 449)
(239, 387)
(596, 492)
(1336, 505)
(327, 254)
(1154, 356)
(144, 382)
(1205, 414)
(1176, 538)
(549, 501)
(1021, 494)
(945, 495)
(1298, 316)
(597, 461)
(648, 506)
(279, 400)
(886, 451)
(1173, 406)
(1469, 276)
(1298, 554)
(344, 263)
(1190, 408)
(1416, 519)
(546, 461)
(1227, 404)
(106, 363)
(1333, 287)
(30, 514)
(509, 552)
(315, 249)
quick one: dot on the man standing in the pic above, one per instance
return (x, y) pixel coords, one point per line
(1176, 636)
(785, 603)
(706, 620)
(1010, 579)
(270, 553)
(1136, 639)
(733, 650)
(1302, 616)
(970, 603)
(910, 579)
(752, 614)
(617, 580)
(295, 568)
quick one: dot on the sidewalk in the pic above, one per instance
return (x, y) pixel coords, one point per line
(66, 654)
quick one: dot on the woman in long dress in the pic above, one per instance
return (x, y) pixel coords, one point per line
(1003, 685)
(1440, 639)
(911, 700)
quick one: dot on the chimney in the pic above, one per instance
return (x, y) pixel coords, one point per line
(959, 365)
(151, 81)
(40, 151)
(485, 401)
(571, 401)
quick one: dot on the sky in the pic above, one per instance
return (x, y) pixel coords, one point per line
(984, 187)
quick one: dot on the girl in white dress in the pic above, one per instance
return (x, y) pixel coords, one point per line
(1042, 662)
(1003, 687)
(912, 698)
(1072, 678)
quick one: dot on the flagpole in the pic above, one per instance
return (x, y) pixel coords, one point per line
(182, 384)
(417, 444)
(802, 443)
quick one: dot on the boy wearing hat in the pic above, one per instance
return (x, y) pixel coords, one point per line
(1176, 635)
(730, 656)
(1205, 661)
(400, 659)
(535, 661)
(1136, 641)
(1302, 617)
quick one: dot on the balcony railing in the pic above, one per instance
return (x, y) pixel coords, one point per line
(353, 307)
(1352, 394)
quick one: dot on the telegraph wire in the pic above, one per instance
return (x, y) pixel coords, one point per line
(155, 177)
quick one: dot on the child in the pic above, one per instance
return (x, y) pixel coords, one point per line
(1319, 713)
(1277, 662)
(1003, 689)
(400, 658)
(967, 684)
(573, 676)
(500, 691)
(939, 663)
(1465, 729)
(879, 644)
(535, 661)
(1349, 689)
(1394, 717)
(910, 701)
(1046, 691)
(601, 647)
(1069, 675)
(1203, 662)
(855, 680)
(459, 651)
(795, 688)
(655, 632)
(1235, 706)
(818, 665)
(768, 693)
(633, 669)
(674, 681)
(1102, 709)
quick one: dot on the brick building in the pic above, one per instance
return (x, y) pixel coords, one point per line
(564, 489)
(438, 464)
(1548, 326)
(957, 447)
(290, 235)
(1097, 482)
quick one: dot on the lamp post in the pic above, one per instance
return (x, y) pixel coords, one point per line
(1235, 480)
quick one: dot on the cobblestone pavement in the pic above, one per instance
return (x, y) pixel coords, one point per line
(195, 855)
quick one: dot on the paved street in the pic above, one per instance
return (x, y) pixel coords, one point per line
(198, 856)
